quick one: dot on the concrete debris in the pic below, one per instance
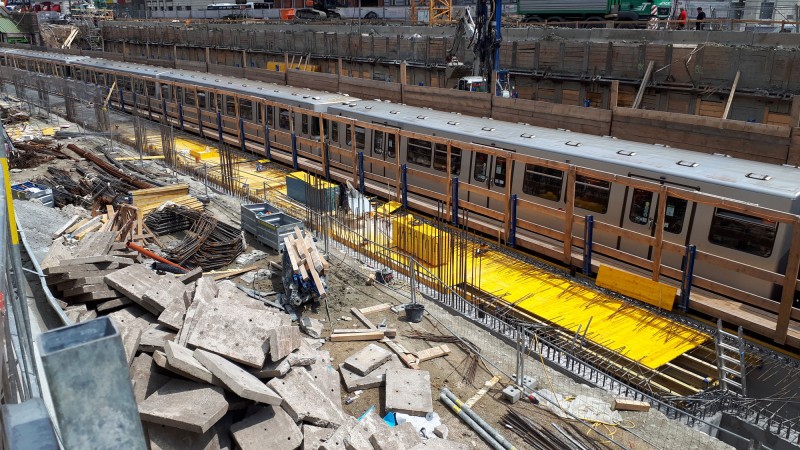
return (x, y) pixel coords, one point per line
(251, 277)
(154, 338)
(162, 437)
(237, 380)
(283, 340)
(314, 437)
(304, 401)
(402, 436)
(367, 359)
(182, 361)
(440, 444)
(423, 425)
(376, 378)
(408, 391)
(146, 379)
(268, 428)
(185, 405)
(312, 327)
(250, 257)
(441, 431)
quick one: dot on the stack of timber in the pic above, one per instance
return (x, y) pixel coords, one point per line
(148, 200)
(306, 262)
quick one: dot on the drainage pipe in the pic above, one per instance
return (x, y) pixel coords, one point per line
(477, 419)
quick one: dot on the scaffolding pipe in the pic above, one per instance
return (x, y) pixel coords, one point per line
(468, 420)
(497, 437)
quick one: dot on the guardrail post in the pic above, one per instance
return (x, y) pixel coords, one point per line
(588, 232)
(241, 135)
(688, 273)
(404, 184)
(121, 99)
(91, 352)
(295, 165)
(361, 172)
(180, 115)
(454, 200)
(267, 144)
(512, 234)
(219, 130)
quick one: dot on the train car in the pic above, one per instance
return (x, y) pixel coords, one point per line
(715, 230)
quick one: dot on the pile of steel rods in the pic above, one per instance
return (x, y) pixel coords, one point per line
(208, 243)
(473, 351)
(540, 437)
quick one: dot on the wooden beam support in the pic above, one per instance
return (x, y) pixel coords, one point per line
(645, 80)
(658, 248)
(789, 286)
(730, 96)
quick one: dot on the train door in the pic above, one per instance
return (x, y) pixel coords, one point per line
(480, 176)
(384, 147)
(501, 174)
(641, 216)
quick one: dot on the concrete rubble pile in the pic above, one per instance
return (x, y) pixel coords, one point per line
(213, 368)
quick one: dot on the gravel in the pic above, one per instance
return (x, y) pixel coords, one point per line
(39, 222)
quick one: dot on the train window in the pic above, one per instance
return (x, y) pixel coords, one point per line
(190, 98)
(641, 206)
(361, 138)
(166, 92)
(592, 194)
(201, 100)
(440, 157)
(219, 103)
(500, 172)
(304, 124)
(543, 182)
(377, 142)
(283, 119)
(348, 138)
(126, 83)
(138, 86)
(674, 214)
(334, 126)
(150, 86)
(390, 147)
(270, 116)
(245, 109)
(481, 169)
(179, 94)
(455, 161)
(742, 232)
(259, 114)
(230, 106)
(315, 127)
(419, 152)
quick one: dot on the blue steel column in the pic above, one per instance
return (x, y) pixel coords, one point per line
(361, 172)
(180, 115)
(164, 110)
(404, 185)
(294, 152)
(327, 163)
(455, 201)
(241, 134)
(219, 129)
(267, 144)
(200, 122)
(588, 231)
(688, 274)
(121, 99)
(512, 235)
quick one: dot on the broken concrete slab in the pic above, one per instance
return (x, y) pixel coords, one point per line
(367, 359)
(272, 369)
(304, 401)
(325, 377)
(408, 391)
(154, 338)
(183, 359)
(236, 379)
(172, 316)
(113, 304)
(312, 327)
(400, 437)
(134, 281)
(269, 427)
(435, 443)
(314, 437)
(206, 289)
(376, 378)
(162, 437)
(240, 334)
(303, 356)
(185, 405)
(165, 292)
(131, 339)
(283, 340)
(145, 378)
(347, 436)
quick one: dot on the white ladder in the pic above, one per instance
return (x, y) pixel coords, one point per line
(730, 360)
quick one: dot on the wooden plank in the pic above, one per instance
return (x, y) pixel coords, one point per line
(569, 211)
(478, 395)
(355, 311)
(407, 359)
(730, 96)
(638, 100)
(66, 225)
(623, 404)
(388, 332)
(345, 337)
(376, 308)
(76, 226)
(433, 352)
(289, 249)
(221, 275)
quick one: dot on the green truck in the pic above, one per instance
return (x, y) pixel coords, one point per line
(592, 10)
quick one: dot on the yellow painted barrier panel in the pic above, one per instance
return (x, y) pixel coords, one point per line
(425, 242)
(637, 286)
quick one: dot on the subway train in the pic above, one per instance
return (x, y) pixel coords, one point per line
(526, 185)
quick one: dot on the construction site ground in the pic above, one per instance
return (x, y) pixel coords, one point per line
(348, 288)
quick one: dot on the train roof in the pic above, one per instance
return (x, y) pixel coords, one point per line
(48, 56)
(565, 145)
(289, 95)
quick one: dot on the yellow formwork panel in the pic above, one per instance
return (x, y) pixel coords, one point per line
(637, 286)
(421, 240)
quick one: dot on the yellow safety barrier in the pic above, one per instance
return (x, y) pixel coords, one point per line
(12, 219)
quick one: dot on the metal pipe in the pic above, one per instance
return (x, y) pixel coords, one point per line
(111, 170)
(468, 420)
(476, 418)
(152, 255)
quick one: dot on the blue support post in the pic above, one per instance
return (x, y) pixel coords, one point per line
(455, 201)
(164, 110)
(588, 231)
(241, 134)
(219, 129)
(294, 152)
(512, 235)
(200, 122)
(404, 185)
(121, 99)
(180, 115)
(267, 144)
(361, 172)
(327, 163)
(688, 273)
